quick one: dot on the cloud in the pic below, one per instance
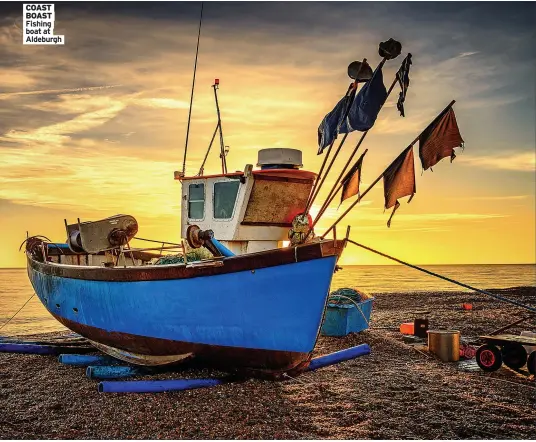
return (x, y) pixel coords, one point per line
(161, 103)
(467, 54)
(100, 125)
(58, 133)
(492, 198)
(521, 161)
(54, 91)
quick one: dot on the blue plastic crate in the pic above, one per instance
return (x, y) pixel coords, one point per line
(342, 319)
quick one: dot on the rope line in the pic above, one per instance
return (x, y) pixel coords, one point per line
(18, 311)
(353, 302)
(192, 94)
(437, 275)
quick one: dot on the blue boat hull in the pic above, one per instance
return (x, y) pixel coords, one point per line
(266, 318)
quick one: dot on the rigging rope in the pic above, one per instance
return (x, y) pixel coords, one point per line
(18, 311)
(192, 94)
(485, 292)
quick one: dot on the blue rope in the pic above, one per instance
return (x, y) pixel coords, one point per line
(484, 292)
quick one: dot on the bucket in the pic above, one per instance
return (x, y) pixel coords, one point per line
(445, 344)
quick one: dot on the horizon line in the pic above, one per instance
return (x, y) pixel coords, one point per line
(383, 265)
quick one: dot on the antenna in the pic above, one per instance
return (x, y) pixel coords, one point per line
(192, 94)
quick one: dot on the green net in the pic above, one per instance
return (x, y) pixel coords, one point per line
(191, 256)
(341, 296)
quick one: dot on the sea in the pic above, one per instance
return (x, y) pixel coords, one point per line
(16, 290)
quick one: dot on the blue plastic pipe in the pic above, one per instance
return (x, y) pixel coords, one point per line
(29, 349)
(117, 372)
(339, 356)
(156, 386)
(221, 248)
(189, 384)
(85, 360)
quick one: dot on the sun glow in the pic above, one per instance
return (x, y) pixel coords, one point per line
(109, 138)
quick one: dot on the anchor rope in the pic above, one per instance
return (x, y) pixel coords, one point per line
(18, 311)
(437, 275)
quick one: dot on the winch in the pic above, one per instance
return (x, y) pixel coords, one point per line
(105, 234)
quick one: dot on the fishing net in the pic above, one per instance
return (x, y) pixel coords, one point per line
(191, 256)
(345, 296)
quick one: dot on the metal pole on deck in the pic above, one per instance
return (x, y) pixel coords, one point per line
(215, 86)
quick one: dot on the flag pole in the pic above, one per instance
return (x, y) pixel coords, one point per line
(377, 179)
(317, 190)
(337, 185)
(318, 187)
(352, 205)
(318, 176)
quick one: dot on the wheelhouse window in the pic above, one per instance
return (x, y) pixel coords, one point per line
(224, 198)
(196, 201)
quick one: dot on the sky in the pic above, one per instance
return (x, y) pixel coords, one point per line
(97, 126)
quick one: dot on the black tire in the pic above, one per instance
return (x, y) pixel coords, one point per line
(531, 363)
(514, 355)
(488, 357)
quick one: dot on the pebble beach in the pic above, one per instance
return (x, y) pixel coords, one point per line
(396, 392)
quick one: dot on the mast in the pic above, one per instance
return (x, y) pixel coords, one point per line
(215, 86)
(192, 93)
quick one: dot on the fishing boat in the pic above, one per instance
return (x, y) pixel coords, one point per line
(255, 299)
(258, 309)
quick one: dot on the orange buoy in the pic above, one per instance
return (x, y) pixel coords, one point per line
(467, 306)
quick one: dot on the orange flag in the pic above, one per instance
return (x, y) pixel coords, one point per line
(350, 183)
(399, 180)
(439, 139)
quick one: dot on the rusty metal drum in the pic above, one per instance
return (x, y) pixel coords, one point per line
(445, 344)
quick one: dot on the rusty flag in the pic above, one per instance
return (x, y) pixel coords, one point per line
(350, 183)
(399, 180)
(439, 139)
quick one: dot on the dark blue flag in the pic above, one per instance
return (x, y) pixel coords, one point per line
(366, 105)
(329, 127)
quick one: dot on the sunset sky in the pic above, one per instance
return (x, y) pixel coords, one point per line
(96, 127)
